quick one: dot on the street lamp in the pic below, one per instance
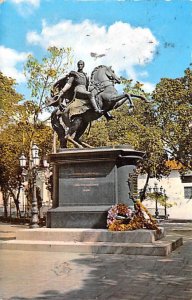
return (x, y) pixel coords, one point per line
(165, 204)
(155, 189)
(33, 164)
(22, 161)
(35, 156)
(157, 192)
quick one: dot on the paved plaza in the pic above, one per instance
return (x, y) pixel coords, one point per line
(56, 275)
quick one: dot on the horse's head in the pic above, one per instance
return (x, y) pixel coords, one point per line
(103, 73)
(111, 75)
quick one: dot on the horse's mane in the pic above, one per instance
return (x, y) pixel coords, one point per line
(96, 69)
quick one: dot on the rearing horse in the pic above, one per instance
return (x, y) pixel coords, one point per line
(79, 113)
(103, 79)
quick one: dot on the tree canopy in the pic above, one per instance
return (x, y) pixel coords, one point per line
(9, 100)
(41, 75)
(173, 116)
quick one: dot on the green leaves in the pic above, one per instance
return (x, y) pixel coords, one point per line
(9, 100)
(173, 112)
(17, 132)
(42, 75)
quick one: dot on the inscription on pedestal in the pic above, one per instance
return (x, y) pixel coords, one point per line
(80, 185)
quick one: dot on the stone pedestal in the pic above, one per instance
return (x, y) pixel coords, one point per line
(87, 182)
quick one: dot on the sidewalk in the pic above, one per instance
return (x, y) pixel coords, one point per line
(59, 276)
(7, 230)
(11, 227)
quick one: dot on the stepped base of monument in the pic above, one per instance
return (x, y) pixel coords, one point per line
(94, 241)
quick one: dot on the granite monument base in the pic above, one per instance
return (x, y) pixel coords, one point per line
(87, 182)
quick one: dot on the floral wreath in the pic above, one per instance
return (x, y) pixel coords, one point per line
(118, 212)
(121, 218)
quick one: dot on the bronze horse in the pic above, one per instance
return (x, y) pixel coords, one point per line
(79, 113)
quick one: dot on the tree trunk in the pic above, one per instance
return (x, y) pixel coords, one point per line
(16, 200)
(143, 193)
(5, 202)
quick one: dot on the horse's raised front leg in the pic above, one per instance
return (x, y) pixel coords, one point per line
(121, 99)
(140, 97)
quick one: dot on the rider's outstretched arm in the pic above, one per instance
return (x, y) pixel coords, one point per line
(65, 88)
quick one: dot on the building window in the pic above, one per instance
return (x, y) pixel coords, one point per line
(186, 178)
(188, 192)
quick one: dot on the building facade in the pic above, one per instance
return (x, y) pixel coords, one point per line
(178, 189)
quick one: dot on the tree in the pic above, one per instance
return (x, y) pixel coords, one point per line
(9, 100)
(15, 137)
(42, 75)
(173, 111)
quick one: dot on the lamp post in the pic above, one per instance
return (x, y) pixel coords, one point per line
(155, 189)
(32, 173)
(157, 192)
(165, 205)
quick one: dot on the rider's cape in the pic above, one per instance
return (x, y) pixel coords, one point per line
(58, 85)
(75, 107)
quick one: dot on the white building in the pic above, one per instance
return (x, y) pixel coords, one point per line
(178, 189)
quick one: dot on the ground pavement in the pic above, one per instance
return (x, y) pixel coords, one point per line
(34, 275)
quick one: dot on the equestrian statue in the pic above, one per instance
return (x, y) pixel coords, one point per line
(79, 101)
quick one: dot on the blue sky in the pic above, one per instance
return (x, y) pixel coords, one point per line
(144, 40)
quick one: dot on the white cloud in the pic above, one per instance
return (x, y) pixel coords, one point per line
(122, 45)
(34, 3)
(25, 7)
(9, 61)
(148, 87)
